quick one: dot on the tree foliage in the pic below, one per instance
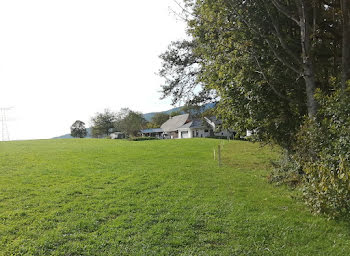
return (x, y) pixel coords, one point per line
(323, 151)
(103, 124)
(158, 119)
(130, 122)
(78, 129)
(262, 60)
(176, 113)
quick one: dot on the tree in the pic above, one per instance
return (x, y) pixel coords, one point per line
(195, 111)
(345, 10)
(158, 119)
(103, 123)
(130, 122)
(262, 60)
(176, 113)
(223, 54)
(78, 130)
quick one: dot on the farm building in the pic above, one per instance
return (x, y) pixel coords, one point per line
(171, 127)
(155, 132)
(117, 135)
(182, 127)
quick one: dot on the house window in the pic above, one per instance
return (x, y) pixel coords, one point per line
(206, 131)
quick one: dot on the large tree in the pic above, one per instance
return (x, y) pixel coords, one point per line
(130, 122)
(103, 123)
(78, 129)
(158, 119)
(262, 60)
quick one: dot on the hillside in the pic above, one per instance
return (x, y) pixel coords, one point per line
(149, 116)
(168, 197)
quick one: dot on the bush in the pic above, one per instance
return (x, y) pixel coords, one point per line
(142, 138)
(218, 137)
(323, 151)
(286, 171)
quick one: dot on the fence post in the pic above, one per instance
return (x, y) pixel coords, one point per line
(214, 155)
(219, 155)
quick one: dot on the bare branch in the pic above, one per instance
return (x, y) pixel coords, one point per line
(184, 10)
(285, 11)
(281, 39)
(284, 62)
(178, 15)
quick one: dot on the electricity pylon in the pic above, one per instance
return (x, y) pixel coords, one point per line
(4, 129)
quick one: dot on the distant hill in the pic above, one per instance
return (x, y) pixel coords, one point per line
(147, 116)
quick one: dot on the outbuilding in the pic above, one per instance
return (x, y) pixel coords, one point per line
(154, 132)
(117, 135)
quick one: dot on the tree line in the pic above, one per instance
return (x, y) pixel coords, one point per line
(126, 121)
(282, 69)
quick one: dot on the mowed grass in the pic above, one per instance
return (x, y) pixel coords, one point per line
(107, 197)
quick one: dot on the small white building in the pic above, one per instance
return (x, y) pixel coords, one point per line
(117, 135)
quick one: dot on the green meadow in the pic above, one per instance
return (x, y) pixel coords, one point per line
(169, 197)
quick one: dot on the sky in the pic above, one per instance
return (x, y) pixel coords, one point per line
(65, 60)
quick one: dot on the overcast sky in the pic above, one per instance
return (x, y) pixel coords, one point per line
(65, 60)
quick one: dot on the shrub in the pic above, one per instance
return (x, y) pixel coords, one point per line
(217, 137)
(323, 151)
(286, 171)
(142, 138)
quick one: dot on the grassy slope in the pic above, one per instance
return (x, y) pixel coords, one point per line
(105, 197)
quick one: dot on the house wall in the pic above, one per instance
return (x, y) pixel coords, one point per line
(194, 133)
(184, 130)
(201, 133)
(174, 135)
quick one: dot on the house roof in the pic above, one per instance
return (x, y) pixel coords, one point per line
(193, 124)
(174, 123)
(215, 120)
(154, 130)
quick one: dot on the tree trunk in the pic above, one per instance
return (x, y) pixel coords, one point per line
(345, 7)
(308, 66)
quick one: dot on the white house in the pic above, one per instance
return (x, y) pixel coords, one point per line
(171, 127)
(182, 127)
(195, 129)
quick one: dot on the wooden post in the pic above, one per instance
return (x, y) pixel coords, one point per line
(214, 154)
(219, 155)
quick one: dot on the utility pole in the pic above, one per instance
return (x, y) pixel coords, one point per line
(4, 129)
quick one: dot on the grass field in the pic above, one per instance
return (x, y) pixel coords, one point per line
(107, 197)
